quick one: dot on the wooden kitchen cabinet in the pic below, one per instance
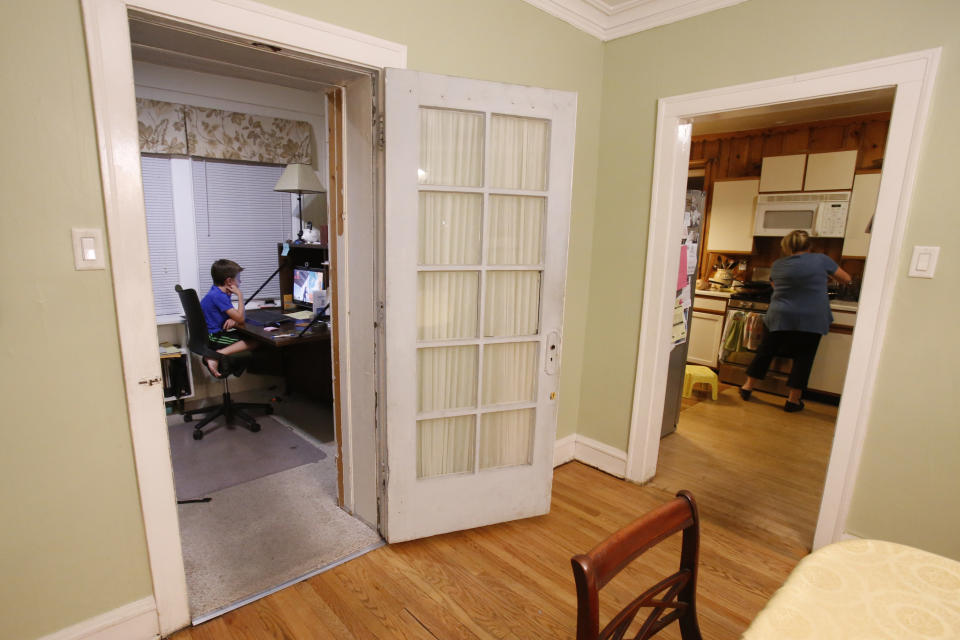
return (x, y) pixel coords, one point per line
(732, 215)
(830, 366)
(783, 173)
(705, 333)
(863, 202)
(830, 171)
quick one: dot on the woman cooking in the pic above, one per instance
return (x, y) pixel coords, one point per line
(799, 314)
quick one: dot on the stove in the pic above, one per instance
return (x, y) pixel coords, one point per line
(753, 303)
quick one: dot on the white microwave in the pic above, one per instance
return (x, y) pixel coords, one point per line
(822, 214)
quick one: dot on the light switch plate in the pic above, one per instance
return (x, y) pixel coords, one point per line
(88, 249)
(923, 263)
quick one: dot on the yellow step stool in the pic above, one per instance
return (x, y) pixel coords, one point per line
(698, 374)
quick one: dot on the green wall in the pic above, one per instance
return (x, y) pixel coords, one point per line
(72, 541)
(908, 488)
(72, 538)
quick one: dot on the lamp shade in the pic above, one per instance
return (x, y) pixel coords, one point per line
(299, 178)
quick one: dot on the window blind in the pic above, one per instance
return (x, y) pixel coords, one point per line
(241, 218)
(161, 233)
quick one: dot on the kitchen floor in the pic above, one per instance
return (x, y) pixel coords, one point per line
(762, 458)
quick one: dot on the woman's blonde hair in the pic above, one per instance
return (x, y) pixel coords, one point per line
(795, 241)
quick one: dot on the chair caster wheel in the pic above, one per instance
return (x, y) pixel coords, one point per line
(188, 417)
(198, 435)
(255, 427)
(269, 410)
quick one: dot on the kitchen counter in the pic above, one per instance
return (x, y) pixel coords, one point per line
(844, 305)
(712, 293)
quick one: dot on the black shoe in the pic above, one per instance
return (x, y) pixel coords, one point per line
(792, 407)
(745, 393)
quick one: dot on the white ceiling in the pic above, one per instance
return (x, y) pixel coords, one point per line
(787, 113)
(609, 19)
(159, 41)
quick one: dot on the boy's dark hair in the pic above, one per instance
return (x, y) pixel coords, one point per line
(223, 269)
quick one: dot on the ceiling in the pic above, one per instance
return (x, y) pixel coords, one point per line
(163, 42)
(609, 19)
(787, 113)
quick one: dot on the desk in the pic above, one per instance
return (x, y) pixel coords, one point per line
(305, 361)
(864, 589)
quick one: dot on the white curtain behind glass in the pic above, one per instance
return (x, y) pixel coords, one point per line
(450, 233)
(451, 148)
(446, 446)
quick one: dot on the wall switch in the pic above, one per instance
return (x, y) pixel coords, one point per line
(924, 262)
(88, 249)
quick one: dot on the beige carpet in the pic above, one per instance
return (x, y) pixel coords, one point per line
(260, 534)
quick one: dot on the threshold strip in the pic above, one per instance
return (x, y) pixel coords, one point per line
(263, 594)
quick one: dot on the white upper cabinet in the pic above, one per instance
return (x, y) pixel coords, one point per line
(830, 171)
(863, 202)
(731, 215)
(783, 173)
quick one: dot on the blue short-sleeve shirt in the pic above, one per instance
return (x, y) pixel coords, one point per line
(215, 306)
(800, 301)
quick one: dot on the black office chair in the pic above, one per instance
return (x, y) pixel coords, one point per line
(234, 365)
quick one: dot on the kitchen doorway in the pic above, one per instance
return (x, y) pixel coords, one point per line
(912, 77)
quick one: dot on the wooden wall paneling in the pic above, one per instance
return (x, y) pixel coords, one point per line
(873, 145)
(852, 135)
(696, 151)
(723, 159)
(796, 141)
(755, 161)
(711, 148)
(773, 144)
(826, 138)
(739, 156)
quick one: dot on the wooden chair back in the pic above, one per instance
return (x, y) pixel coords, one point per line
(671, 599)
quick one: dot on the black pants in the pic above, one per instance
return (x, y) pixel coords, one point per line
(800, 346)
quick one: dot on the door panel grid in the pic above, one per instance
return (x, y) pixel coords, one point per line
(464, 286)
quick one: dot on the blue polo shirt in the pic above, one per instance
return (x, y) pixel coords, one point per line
(799, 301)
(215, 306)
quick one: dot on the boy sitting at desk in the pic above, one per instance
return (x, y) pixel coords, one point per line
(220, 314)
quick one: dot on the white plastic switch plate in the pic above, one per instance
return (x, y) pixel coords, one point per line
(924, 262)
(88, 249)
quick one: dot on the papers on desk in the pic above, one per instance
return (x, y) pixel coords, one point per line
(306, 314)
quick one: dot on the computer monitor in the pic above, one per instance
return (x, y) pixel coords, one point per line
(305, 281)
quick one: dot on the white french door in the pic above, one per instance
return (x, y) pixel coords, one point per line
(478, 181)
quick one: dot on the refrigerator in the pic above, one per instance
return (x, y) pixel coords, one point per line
(683, 308)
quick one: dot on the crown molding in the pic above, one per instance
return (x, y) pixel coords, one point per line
(608, 21)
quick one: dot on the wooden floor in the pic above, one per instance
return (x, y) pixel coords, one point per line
(755, 470)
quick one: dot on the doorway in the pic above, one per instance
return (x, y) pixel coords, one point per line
(294, 40)
(912, 77)
(768, 464)
(256, 510)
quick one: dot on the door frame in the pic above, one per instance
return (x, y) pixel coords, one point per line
(913, 76)
(112, 83)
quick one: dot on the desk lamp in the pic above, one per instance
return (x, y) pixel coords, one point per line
(299, 179)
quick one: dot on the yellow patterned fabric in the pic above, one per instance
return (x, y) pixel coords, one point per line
(864, 589)
(179, 129)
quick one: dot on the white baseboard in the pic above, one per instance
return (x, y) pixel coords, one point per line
(563, 449)
(590, 452)
(134, 621)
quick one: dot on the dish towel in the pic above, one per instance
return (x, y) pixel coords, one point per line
(753, 331)
(733, 334)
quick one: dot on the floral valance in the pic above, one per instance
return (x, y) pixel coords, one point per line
(179, 129)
